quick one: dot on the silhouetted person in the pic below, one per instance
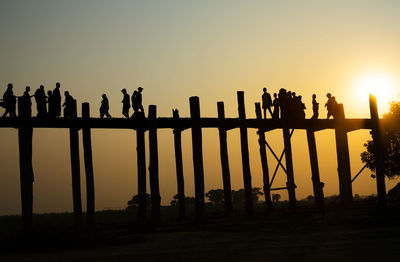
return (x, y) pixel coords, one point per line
(40, 97)
(139, 99)
(125, 103)
(275, 103)
(315, 107)
(56, 100)
(25, 104)
(134, 101)
(266, 102)
(69, 106)
(300, 108)
(50, 105)
(104, 107)
(9, 102)
(331, 105)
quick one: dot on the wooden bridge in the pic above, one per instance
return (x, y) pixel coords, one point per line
(340, 124)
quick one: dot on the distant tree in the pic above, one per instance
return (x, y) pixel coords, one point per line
(215, 196)
(276, 197)
(134, 202)
(310, 197)
(189, 201)
(238, 195)
(357, 196)
(391, 144)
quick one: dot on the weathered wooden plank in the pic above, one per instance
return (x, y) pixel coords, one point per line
(223, 148)
(153, 169)
(141, 173)
(317, 186)
(264, 162)
(289, 168)
(25, 135)
(245, 155)
(76, 175)
(378, 152)
(342, 150)
(197, 147)
(179, 167)
(87, 151)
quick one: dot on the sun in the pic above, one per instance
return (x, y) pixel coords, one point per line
(380, 85)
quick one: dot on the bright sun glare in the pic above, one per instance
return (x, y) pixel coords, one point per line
(382, 86)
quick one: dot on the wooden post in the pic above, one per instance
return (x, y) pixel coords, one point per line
(25, 134)
(223, 147)
(87, 151)
(378, 151)
(291, 186)
(153, 169)
(264, 162)
(141, 167)
(245, 155)
(179, 167)
(76, 175)
(342, 150)
(317, 187)
(197, 155)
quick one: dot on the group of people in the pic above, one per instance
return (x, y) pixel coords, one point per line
(286, 105)
(48, 106)
(136, 100)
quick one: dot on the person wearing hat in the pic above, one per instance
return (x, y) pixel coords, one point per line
(125, 103)
(330, 105)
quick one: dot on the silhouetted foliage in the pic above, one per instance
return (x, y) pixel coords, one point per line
(215, 196)
(391, 145)
(189, 201)
(134, 202)
(310, 197)
(276, 197)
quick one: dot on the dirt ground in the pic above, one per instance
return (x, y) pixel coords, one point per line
(347, 235)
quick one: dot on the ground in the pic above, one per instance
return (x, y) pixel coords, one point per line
(343, 233)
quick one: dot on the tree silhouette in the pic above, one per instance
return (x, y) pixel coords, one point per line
(391, 145)
(215, 196)
(189, 201)
(134, 202)
(276, 197)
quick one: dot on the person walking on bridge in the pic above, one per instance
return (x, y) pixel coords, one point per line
(56, 100)
(125, 103)
(266, 102)
(40, 98)
(9, 102)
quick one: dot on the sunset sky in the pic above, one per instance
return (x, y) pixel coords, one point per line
(178, 49)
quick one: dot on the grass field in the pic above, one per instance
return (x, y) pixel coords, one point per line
(361, 232)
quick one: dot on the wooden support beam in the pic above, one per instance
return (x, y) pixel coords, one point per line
(25, 135)
(317, 186)
(245, 155)
(141, 167)
(378, 151)
(179, 167)
(342, 150)
(223, 149)
(76, 175)
(87, 151)
(153, 169)
(264, 162)
(197, 147)
(289, 167)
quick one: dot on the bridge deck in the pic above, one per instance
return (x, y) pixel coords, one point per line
(184, 123)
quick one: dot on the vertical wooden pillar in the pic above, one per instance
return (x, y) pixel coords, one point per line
(312, 149)
(153, 169)
(245, 155)
(223, 147)
(179, 167)
(342, 150)
(141, 167)
(378, 152)
(197, 155)
(87, 151)
(264, 162)
(25, 135)
(291, 186)
(76, 174)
